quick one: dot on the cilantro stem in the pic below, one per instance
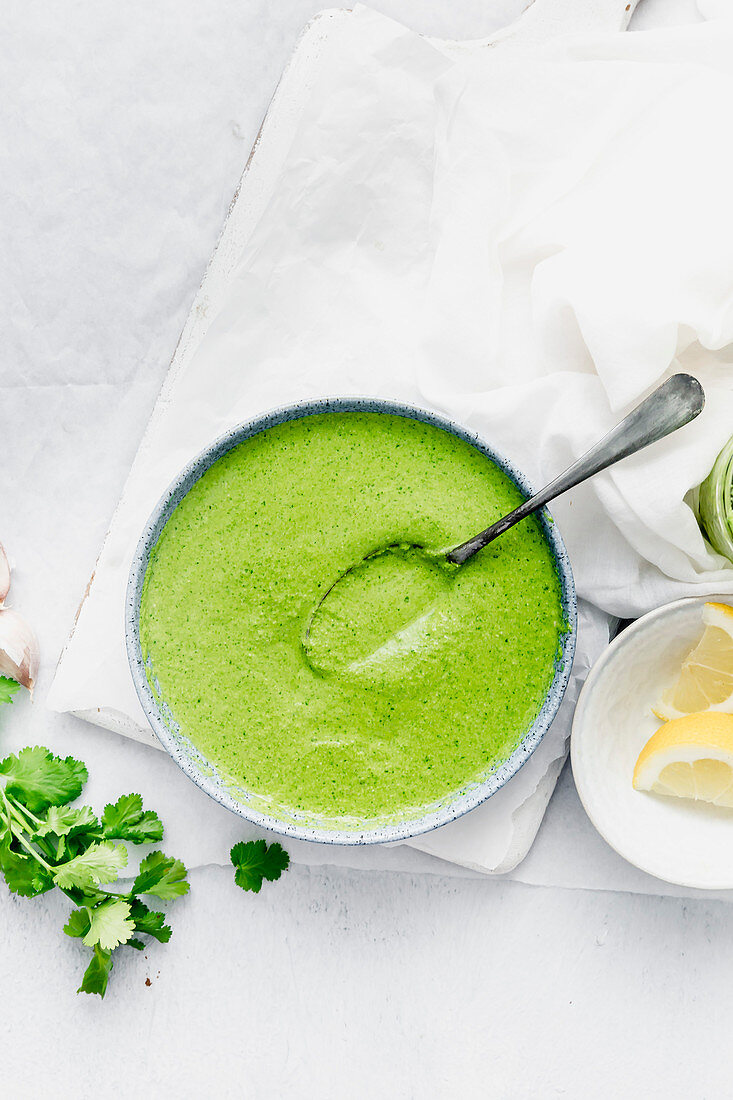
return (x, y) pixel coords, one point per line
(22, 814)
(32, 851)
(8, 819)
(16, 813)
(26, 813)
(12, 815)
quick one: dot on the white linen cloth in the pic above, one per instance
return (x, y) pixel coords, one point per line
(524, 239)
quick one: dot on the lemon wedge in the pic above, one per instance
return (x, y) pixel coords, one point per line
(705, 682)
(690, 757)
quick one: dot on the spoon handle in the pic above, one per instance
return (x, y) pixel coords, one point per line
(675, 403)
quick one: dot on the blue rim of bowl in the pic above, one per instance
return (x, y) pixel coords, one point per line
(454, 804)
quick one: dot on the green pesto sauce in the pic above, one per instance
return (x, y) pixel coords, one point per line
(411, 677)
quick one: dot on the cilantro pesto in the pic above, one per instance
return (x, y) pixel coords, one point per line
(414, 678)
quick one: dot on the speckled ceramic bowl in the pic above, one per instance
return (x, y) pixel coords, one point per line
(258, 808)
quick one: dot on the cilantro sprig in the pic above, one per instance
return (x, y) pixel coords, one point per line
(45, 843)
(255, 861)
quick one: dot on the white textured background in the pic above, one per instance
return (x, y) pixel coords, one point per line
(123, 132)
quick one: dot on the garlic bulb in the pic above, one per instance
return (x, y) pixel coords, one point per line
(4, 575)
(19, 654)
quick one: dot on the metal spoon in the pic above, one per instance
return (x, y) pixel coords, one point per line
(673, 404)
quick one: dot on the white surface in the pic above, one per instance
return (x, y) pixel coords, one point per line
(397, 986)
(473, 256)
(680, 841)
(333, 982)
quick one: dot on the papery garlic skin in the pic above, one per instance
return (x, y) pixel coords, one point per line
(19, 652)
(4, 574)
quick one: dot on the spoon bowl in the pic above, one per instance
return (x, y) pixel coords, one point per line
(397, 585)
(345, 630)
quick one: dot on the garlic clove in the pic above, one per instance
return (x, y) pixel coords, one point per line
(4, 575)
(19, 653)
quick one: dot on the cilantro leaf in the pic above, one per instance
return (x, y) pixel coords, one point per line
(255, 860)
(100, 863)
(137, 944)
(27, 879)
(96, 974)
(67, 821)
(78, 924)
(126, 820)
(162, 876)
(153, 924)
(39, 779)
(110, 924)
(8, 689)
(23, 876)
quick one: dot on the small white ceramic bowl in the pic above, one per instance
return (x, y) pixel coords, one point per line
(678, 840)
